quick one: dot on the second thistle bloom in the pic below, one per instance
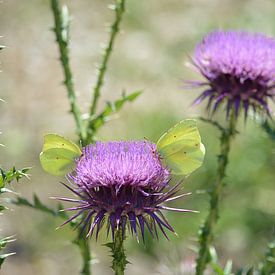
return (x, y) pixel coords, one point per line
(121, 183)
(239, 69)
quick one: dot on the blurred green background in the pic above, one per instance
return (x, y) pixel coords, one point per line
(151, 53)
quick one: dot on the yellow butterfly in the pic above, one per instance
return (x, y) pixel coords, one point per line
(58, 154)
(181, 147)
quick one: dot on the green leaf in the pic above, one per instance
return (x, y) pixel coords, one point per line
(213, 254)
(4, 256)
(2, 207)
(38, 205)
(218, 270)
(1, 180)
(216, 267)
(3, 243)
(112, 108)
(6, 190)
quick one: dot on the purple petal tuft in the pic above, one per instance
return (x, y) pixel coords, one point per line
(123, 183)
(239, 67)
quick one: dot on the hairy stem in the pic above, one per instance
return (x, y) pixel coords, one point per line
(119, 10)
(118, 253)
(206, 234)
(61, 30)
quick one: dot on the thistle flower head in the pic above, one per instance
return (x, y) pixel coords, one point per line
(121, 183)
(239, 68)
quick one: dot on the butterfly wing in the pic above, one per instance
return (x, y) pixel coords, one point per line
(56, 141)
(181, 148)
(58, 154)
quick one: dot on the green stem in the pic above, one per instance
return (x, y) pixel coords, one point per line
(61, 31)
(206, 234)
(118, 253)
(83, 245)
(119, 10)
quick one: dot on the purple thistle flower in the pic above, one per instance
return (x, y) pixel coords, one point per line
(239, 68)
(123, 183)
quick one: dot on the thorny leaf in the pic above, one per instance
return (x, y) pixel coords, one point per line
(111, 108)
(3, 243)
(12, 174)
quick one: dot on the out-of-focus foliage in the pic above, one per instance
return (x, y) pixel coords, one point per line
(156, 41)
